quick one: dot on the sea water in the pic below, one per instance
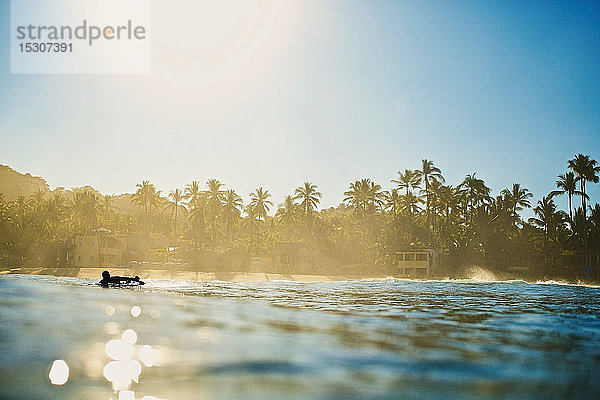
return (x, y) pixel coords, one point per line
(65, 338)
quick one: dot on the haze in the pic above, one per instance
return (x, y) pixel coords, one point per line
(274, 94)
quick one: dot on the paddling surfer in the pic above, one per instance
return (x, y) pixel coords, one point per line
(108, 280)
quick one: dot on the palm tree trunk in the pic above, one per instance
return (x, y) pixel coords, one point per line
(228, 239)
(427, 200)
(428, 213)
(582, 185)
(256, 232)
(147, 219)
(175, 239)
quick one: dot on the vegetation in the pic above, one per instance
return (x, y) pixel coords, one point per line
(464, 223)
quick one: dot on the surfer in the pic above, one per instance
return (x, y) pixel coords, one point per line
(108, 280)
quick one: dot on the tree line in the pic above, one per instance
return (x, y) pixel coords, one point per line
(463, 222)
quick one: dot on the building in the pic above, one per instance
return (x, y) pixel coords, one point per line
(105, 249)
(415, 263)
(292, 258)
(99, 250)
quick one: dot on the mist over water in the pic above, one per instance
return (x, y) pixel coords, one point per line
(383, 338)
(479, 274)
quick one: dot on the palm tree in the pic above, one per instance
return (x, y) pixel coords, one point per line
(19, 214)
(196, 199)
(391, 202)
(546, 215)
(155, 200)
(193, 194)
(107, 207)
(37, 198)
(85, 211)
(567, 183)
(146, 197)
(549, 220)
(595, 215)
(197, 221)
(250, 221)
(38, 218)
(437, 191)
(373, 196)
(310, 200)
(445, 199)
(364, 196)
(138, 198)
(579, 228)
(20, 208)
(250, 215)
(409, 203)
(287, 213)
(260, 203)
(232, 209)
(214, 203)
(57, 207)
(354, 196)
(476, 193)
(516, 199)
(257, 211)
(429, 173)
(408, 180)
(586, 170)
(214, 196)
(175, 205)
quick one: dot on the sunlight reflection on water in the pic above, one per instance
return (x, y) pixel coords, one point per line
(124, 370)
(136, 311)
(59, 372)
(146, 355)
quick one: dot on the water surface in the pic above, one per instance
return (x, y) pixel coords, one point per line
(379, 339)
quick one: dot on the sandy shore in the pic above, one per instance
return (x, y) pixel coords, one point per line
(172, 274)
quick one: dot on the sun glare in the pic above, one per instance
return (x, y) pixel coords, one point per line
(59, 372)
(119, 350)
(146, 355)
(124, 369)
(219, 47)
(129, 337)
(136, 311)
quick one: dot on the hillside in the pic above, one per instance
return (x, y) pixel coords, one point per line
(13, 183)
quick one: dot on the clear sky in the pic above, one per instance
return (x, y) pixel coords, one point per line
(273, 94)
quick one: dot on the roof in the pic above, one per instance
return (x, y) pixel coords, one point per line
(412, 250)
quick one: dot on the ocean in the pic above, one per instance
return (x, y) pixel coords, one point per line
(66, 338)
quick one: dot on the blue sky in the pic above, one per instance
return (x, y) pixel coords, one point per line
(258, 94)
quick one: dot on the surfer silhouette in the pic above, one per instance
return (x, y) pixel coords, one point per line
(108, 280)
